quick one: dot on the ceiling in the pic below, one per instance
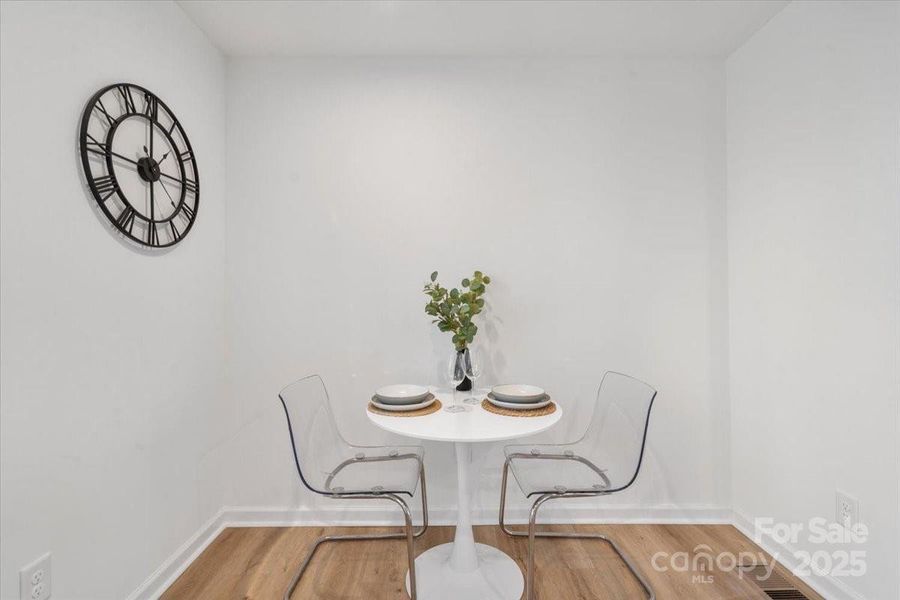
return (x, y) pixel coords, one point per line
(638, 28)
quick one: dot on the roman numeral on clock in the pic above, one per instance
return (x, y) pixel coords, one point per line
(99, 106)
(125, 220)
(151, 106)
(127, 98)
(106, 187)
(188, 212)
(96, 147)
(152, 234)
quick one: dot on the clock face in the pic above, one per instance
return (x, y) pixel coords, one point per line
(139, 165)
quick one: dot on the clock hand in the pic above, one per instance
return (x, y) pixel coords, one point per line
(162, 174)
(111, 153)
(150, 155)
(163, 184)
(166, 175)
(133, 162)
(152, 202)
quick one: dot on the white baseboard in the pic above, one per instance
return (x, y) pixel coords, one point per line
(267, 516)
(154, 586)
(826, 585)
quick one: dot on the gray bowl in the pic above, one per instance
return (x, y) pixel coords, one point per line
(518, 393)
(399, 401)
(518, 400)
(401, 394)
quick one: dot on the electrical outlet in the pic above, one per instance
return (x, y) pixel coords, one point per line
(846, 510)
(34, 580)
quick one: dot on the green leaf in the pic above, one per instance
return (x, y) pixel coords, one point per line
(454, 308)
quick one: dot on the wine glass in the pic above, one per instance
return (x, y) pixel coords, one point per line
(456, 372)
(473, 366)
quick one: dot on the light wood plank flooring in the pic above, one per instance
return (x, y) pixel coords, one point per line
(257, 563)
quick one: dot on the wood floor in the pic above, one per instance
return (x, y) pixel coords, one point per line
(257, 564)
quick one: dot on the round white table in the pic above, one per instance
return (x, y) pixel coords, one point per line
(464, 569)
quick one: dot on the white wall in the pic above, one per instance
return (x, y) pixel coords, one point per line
(814, 273)
(112, 359)
(591, 191)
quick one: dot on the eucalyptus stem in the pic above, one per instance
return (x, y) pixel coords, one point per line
(454, 309)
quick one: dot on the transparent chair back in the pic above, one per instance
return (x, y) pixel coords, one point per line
(608, 456)
(327, 463)
(617, 435)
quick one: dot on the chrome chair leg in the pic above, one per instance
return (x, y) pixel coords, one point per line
(408, 534)
(532, 534)
(410, 549)
(424, 527)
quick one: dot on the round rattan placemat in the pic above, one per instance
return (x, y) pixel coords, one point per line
(431, 408)
(509, 412)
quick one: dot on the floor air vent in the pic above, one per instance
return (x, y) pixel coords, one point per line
(775, 585)
(786, 595)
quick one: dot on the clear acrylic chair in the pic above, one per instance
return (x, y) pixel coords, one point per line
(605, 460)
(330, 466)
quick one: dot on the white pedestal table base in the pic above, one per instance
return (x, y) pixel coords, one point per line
(497, 577)
(465, 570)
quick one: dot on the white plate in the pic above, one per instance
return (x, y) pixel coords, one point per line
(517, 392)
(403, 393)
(403, 407)
(518, 405)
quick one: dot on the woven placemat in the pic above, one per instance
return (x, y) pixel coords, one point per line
(509, 412)
(431, 408)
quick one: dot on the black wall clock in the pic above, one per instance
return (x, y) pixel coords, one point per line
(139, 165)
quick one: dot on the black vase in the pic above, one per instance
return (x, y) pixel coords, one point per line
(462, 363)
